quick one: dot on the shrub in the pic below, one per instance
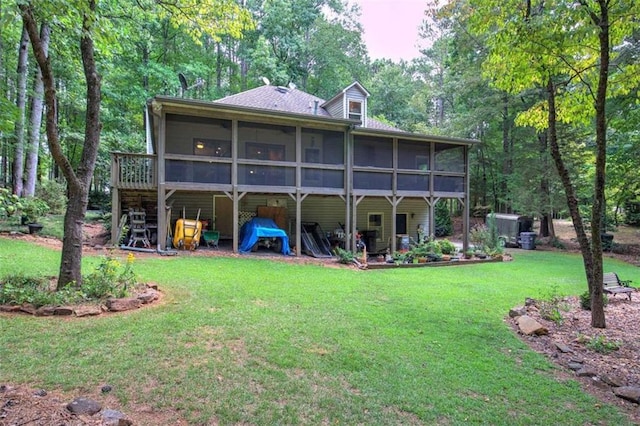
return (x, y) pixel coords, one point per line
(54, 194)
(99, 200)
(494, 244)
(110, 279)
(485, 238)
(19, 289)
(33, 209)
(585, 300)
(344, 256)
(556, 243)
(551, 304)
(105, 219)
(479, 236)
(9, 203)
(443, 225)
(600, 343)
(446, 246)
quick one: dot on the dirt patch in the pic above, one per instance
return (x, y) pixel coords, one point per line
(22, 405)
(626, 241)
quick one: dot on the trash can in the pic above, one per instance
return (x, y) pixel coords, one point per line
(369, 238)
(607, 241)
(402, 242)
(528, 240)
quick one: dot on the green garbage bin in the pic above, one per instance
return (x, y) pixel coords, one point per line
(528, 240)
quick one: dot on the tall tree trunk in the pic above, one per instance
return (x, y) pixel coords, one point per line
(219, 63)
(503, 195)
(546, 218)
(21, 102)
(3, 89)
(145, 62)
(572, 200)
(33, 147)
(78, 183)
(601, 21)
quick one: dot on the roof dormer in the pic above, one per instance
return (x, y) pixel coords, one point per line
(350, 103)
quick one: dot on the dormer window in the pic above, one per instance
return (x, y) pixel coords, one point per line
(355, 110)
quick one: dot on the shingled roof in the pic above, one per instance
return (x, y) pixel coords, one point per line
(287, 99)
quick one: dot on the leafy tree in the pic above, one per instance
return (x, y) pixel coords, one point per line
(444, 226)
(77, 181)
(21, 102)
(35, 120)
(551, 46)
(83, 21)
(315, 44)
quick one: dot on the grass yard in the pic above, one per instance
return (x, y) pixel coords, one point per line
(248, 341)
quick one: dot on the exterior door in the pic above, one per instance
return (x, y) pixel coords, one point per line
(401, 223)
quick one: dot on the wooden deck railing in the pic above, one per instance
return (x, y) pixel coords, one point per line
(133, 171)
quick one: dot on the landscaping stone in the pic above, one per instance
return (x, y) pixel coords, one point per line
(148, 296)
(28, 308)
(518, 311)
(115, 418)
(563, 348)
(83, 405)
(586, 372)
(45, 311)
(63, 311)
(87, 310)
(613, 381)
(575, 366)
(530, 326)
(630, 393)
(124, 304)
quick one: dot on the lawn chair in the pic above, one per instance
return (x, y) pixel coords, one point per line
(612, 284)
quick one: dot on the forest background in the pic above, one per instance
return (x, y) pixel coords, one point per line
(142, 47)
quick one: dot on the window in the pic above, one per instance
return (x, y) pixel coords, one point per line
(449, 158)
(265, 151)
(330, 146)
(372, 151)
(212, 147)
(261, 174)
(413, 155)
(375, 222)
(355, 110)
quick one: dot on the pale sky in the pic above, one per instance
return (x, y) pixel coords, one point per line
(391, 27)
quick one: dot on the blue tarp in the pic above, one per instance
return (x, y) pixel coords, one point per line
(258, 227)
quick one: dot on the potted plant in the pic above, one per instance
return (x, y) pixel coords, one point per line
(32, 210)
(446, 247)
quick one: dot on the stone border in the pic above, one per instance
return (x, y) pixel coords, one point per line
(149, 295)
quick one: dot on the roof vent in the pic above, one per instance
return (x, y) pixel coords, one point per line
(282, 89)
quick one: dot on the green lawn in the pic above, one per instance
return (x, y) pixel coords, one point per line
(248, 341)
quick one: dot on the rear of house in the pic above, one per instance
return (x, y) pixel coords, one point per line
(281, 153)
